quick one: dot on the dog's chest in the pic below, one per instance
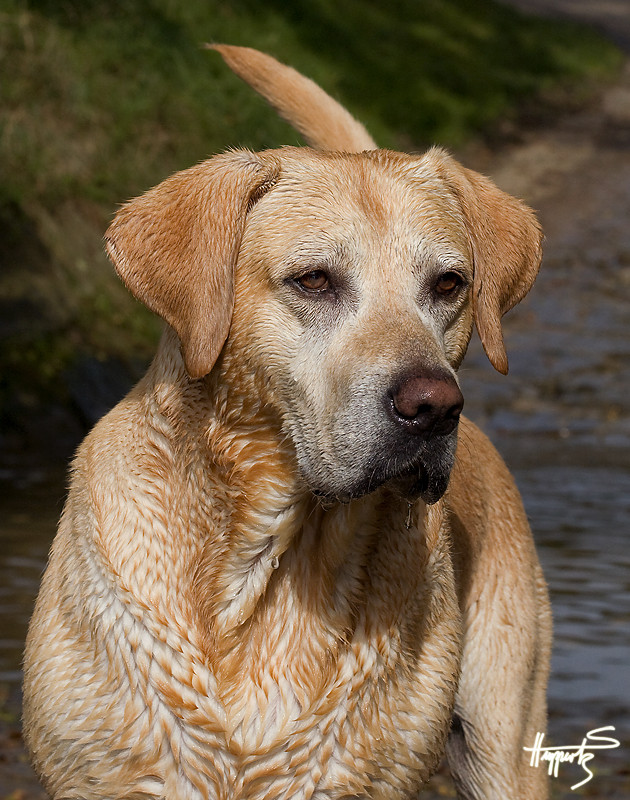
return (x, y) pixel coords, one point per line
(284, 732)
(314, 704)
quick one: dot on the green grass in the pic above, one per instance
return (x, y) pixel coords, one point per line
(100, 100)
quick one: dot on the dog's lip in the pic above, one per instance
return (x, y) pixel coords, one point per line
(418, 483)
(414, 481)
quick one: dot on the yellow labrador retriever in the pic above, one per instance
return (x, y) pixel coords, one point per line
(264, 584)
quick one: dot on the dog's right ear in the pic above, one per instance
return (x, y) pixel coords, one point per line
(176, 246)
(506, 245)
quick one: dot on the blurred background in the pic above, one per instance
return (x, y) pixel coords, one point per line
(100, 101)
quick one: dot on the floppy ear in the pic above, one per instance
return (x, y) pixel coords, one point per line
(175, 248)
(506, 242)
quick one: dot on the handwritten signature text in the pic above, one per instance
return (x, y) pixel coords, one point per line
(581, 754)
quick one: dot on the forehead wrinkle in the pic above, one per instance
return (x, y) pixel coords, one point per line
(371, 208)
(321, 202)
(402, 210)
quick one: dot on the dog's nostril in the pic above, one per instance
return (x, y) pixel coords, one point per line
(456, 409)
(410, 410)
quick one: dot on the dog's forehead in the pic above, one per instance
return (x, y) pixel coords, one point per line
(380, 179)
(376, 193)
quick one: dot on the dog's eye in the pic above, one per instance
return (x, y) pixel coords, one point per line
(314, 281)
(448, 283)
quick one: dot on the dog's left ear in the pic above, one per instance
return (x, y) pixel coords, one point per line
(506, 243)
(176, 246)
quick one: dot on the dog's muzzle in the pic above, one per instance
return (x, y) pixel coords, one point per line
(425, 408)
(409, 439)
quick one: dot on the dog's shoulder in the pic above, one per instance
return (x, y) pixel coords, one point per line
(485, 510)
(480, 475)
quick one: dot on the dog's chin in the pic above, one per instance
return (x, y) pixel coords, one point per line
(419, 483)
(427, 474)
(426, 479)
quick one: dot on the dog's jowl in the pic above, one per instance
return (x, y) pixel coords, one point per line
(287, 566)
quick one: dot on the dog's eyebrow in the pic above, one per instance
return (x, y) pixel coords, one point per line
(429, 256)
(320, 251)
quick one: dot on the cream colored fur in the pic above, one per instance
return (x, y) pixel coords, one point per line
(225, 614)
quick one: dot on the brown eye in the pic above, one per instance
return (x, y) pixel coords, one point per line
(314, 281)
(448, 283)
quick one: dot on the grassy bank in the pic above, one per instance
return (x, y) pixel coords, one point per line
(99, 101)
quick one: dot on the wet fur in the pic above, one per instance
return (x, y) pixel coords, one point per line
(240, 601)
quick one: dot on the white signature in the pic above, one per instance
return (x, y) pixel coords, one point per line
(582, 753)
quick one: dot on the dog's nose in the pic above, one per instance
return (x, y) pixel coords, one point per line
(427, 403)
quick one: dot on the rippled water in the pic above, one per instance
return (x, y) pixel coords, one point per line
(581, 520)
(28, 517)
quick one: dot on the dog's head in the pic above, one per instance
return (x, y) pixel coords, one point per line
(347, 283)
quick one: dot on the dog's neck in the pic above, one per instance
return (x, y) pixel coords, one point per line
(260, 530)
